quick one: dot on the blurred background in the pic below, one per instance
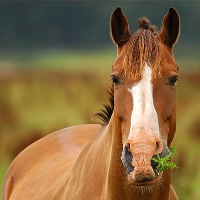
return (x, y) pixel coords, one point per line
(55, 63)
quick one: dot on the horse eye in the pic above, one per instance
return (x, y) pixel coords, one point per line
(115, 80)
(172, 80)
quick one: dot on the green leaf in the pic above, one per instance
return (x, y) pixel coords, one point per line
(165, 163)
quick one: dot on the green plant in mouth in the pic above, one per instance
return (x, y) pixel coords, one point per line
(165, 162)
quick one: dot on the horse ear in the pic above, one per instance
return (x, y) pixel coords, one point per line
(170, 28)
(119, 28)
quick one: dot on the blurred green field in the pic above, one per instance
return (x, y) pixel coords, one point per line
(44, 92)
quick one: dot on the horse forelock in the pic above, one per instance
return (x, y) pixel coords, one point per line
(142, 48)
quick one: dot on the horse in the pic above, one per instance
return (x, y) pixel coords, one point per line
(113, 159)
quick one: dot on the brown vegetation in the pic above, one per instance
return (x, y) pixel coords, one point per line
(36, 103)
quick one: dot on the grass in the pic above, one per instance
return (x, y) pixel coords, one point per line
(46, 91)
(94, 61)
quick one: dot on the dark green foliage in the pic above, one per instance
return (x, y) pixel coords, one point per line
(67, 24)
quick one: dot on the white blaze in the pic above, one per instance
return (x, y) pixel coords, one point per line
(144, 115)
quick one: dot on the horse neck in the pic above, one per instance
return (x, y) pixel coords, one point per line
(99, 169)
(116, 184)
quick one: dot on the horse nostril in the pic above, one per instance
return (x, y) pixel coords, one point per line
(128, 155)
(128, 146)
(159, 147)
(127, 159)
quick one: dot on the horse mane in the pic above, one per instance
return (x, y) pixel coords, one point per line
(106, 112)
(142, 48)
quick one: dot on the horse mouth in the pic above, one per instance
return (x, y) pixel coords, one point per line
(152, 182)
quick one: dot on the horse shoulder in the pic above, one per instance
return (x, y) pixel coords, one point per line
(172, 194)
(46, 161)
(7, 188)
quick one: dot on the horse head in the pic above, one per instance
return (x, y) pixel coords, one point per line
(144, 77)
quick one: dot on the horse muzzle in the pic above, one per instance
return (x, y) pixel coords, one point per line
(139, 167)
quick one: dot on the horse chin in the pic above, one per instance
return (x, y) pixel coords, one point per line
(148, 183)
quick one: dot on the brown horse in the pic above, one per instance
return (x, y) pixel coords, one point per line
(113, 160)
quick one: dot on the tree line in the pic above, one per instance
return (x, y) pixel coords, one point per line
(83, 24)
